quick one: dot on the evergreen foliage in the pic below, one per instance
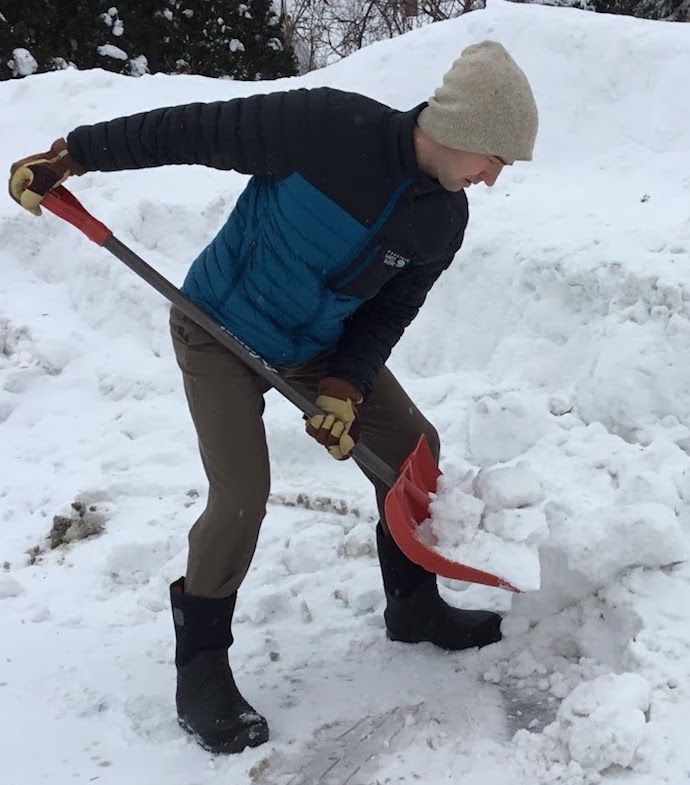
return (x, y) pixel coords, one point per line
(219, 38)
(668, 10)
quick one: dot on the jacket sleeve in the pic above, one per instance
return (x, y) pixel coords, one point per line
(376, 326)
(260, 134)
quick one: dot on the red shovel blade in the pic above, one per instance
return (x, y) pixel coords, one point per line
(407, 506)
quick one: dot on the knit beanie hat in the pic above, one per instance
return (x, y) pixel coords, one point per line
(485, 105)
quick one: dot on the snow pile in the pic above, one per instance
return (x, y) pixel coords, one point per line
(497, 519)
(601, 724)
(491, 523)
(552, 358)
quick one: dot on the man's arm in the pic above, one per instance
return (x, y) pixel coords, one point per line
(331, 137)
(260, 134)
(374, 329)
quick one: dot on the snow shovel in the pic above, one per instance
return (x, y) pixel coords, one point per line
(407, 502)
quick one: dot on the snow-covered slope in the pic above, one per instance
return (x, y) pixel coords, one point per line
(558, 340)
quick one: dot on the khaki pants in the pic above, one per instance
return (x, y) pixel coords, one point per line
(226, 400)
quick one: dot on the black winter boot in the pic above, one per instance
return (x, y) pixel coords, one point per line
(415, 611)
(209, 705)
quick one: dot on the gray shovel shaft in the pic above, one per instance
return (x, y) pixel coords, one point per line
(364, 455)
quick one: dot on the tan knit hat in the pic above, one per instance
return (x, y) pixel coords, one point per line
(485, 105)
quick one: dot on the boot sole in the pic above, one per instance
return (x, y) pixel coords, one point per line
(392, 636)
(439, 644)
(249, 736)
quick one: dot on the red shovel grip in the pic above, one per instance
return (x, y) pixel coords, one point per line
(65, 205)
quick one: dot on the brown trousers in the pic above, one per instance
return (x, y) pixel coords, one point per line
(226, 400)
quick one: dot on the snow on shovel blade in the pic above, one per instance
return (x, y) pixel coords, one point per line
(407, 506)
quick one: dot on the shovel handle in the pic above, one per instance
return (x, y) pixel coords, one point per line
(66, 206)
(406, 503)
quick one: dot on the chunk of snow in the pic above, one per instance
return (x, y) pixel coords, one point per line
(23, 63)
(108, 50)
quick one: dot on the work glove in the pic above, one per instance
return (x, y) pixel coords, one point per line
(31, 178)
(338, 428)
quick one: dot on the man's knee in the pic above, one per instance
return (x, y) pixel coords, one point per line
(405, 446)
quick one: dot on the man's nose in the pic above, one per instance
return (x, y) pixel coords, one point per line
(490, 176)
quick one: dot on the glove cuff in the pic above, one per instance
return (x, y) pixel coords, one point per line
(65, 160)
(339, 388)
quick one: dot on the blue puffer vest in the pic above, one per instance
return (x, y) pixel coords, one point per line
(265, 276)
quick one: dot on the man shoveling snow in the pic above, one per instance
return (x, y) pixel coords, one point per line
(353, 212)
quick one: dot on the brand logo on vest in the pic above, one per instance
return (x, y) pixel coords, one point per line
(394, 259)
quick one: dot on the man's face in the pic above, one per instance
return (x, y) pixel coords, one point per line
(457, 169)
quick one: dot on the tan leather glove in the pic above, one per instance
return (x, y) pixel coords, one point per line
(31, 178)
(337, 429)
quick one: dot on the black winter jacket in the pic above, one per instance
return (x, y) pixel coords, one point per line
(336, 151)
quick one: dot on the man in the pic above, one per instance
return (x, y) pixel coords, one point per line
(353, 212)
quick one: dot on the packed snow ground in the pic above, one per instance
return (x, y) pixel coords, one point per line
(558, 340)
